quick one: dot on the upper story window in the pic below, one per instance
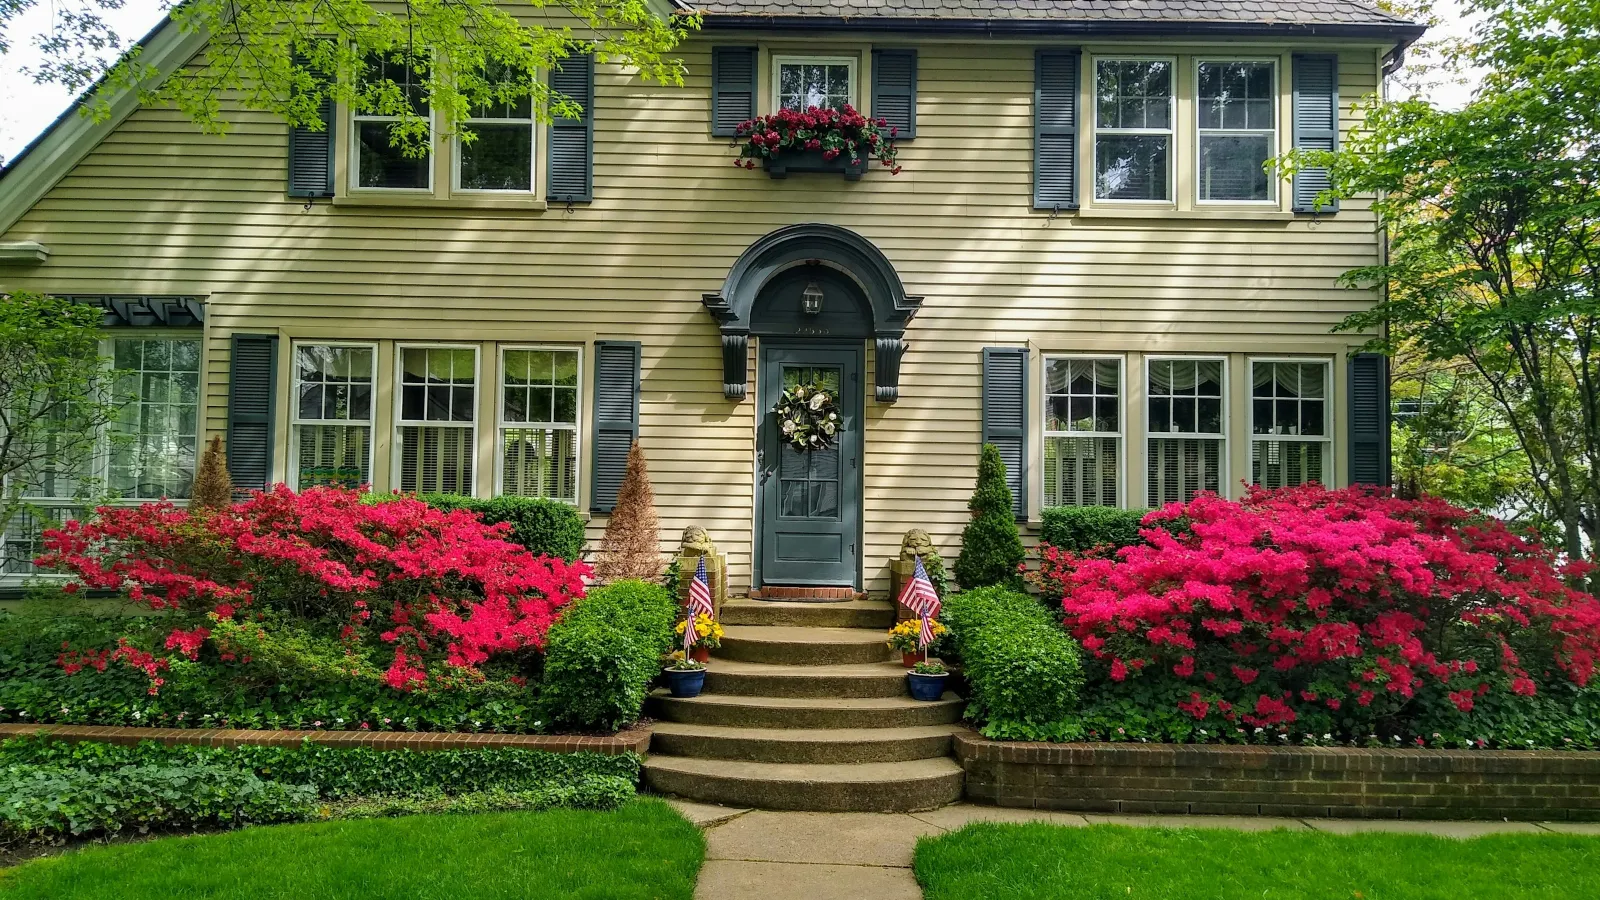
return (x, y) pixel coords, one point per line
(539, 422)
(500, 156)
(437, 425)
(1082, 431)
(1290, 435)
(1187, 428)
(1237, 118)
(378, 163)
(1133, 129)
(801, 82)
(333, 389)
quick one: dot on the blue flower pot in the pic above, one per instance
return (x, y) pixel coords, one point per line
(684, 683)
(926, 687)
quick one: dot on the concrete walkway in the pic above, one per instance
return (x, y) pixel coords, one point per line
(857, 856)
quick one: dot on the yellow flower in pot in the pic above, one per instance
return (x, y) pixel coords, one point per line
(903, 637)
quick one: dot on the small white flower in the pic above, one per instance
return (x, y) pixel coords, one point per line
(833, 417)
(1327, 737)
(1258, 730)
(817, 401)
(788, 428)
(828, 428)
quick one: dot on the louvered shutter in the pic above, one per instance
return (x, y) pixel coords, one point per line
(1369, 419)
(252, 396)
(1316, 123)
(570, 178)
(894, 90)
(616, 418)
(733, 88)
(1055, 129)
(311, 154)
(1005, 416)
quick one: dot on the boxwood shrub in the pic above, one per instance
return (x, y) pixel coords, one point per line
(1023, 671)
(602, 654)
(1083, 528)
(547, 527)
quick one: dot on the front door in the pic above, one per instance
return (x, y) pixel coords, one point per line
(810, 501)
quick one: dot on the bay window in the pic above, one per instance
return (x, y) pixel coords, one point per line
(539, 422)
(435, 445)
(1237, 120)
(1186, 428)
(1132, 129)
(1290, 435)
(1082, 431)
(332, 415)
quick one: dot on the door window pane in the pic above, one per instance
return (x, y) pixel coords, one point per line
(809, 485)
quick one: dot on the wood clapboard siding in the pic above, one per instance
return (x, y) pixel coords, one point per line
(160, 208)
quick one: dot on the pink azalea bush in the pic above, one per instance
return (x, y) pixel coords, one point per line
(443, 592)
(1327, 615)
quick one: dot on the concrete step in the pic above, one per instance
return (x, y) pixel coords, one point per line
(792, 645)
(857, 787)
(802, 745)
(795, 712)
(730, 676)
(878, 614)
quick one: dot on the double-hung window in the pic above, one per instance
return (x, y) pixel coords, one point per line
(378, 163)
(437, 423)
(500, 156)
(539, 422)
(1290, 434)
(1186, 428)
(1082, 431)
(1237, 119)
(1133, 129)
(333, 390)
(801, 82)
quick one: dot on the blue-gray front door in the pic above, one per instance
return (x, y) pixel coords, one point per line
(810, 501)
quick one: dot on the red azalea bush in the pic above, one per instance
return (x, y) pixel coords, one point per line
(1326, 615)
(836, 132)
(443, 590)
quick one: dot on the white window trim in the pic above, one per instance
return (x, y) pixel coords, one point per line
(458, 151)
(295, 419)
(1171, 131)
(356, 118)
(779, 61)
(1225, 474)
(1273, 147)
(501, 424)
(1122, 416)
(1328, 465)
(396, 454)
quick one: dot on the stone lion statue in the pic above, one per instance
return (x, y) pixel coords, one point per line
(697, 542)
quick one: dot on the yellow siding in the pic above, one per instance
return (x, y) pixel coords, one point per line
(159, 208)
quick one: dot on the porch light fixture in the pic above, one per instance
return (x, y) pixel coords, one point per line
(811, 299)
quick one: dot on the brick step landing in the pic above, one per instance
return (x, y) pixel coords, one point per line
(745, 679)
(878, 614)
(803, 745)
(905, 786)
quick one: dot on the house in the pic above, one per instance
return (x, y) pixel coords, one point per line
(1081, 260)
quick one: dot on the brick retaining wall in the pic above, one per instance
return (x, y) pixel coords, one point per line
(634, 740)
(1340, 782)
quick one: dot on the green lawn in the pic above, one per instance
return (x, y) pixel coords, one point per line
(644, 850)
(1106, 862)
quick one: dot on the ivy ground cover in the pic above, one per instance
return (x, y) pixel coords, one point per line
(1035, 861)
(644, 850)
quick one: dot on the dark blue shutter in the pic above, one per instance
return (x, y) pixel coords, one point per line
(1369, 419)
(311, 154)
(733, 88)
(894, 91)
(1005, 416)
(1055, 129)
(570, 178)
(252, 398)
(1316, 123)
(616, 418)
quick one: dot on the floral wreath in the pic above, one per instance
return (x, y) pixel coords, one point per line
(808, 417)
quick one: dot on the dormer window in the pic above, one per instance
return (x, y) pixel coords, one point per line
(801, 82)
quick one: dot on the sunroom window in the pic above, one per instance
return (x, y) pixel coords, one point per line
(500, 156)
(333, 390)
(539, 423)
(1186, 429)
(823, 82)
(1238, 130)
(1133, 129)
(378, 163)
(1290, 437)
(1082, 431)
(438, 418)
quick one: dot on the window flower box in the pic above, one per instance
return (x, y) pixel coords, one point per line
(817, 140)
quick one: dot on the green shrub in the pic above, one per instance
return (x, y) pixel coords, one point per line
(602, 654)
(545, 527)
(1022, 669)
(1083, 528)
(602, 792)
(991, 548)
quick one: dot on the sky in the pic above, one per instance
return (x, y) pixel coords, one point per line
(26, 108)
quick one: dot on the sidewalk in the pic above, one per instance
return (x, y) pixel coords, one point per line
(855, 856)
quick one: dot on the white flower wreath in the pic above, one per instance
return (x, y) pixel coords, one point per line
(808, 417)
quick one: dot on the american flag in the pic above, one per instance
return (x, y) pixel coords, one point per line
(699, 601)
(919, 596)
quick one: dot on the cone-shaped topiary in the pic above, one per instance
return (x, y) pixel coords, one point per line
(991, 549)
(631, 547)
(213, 489)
